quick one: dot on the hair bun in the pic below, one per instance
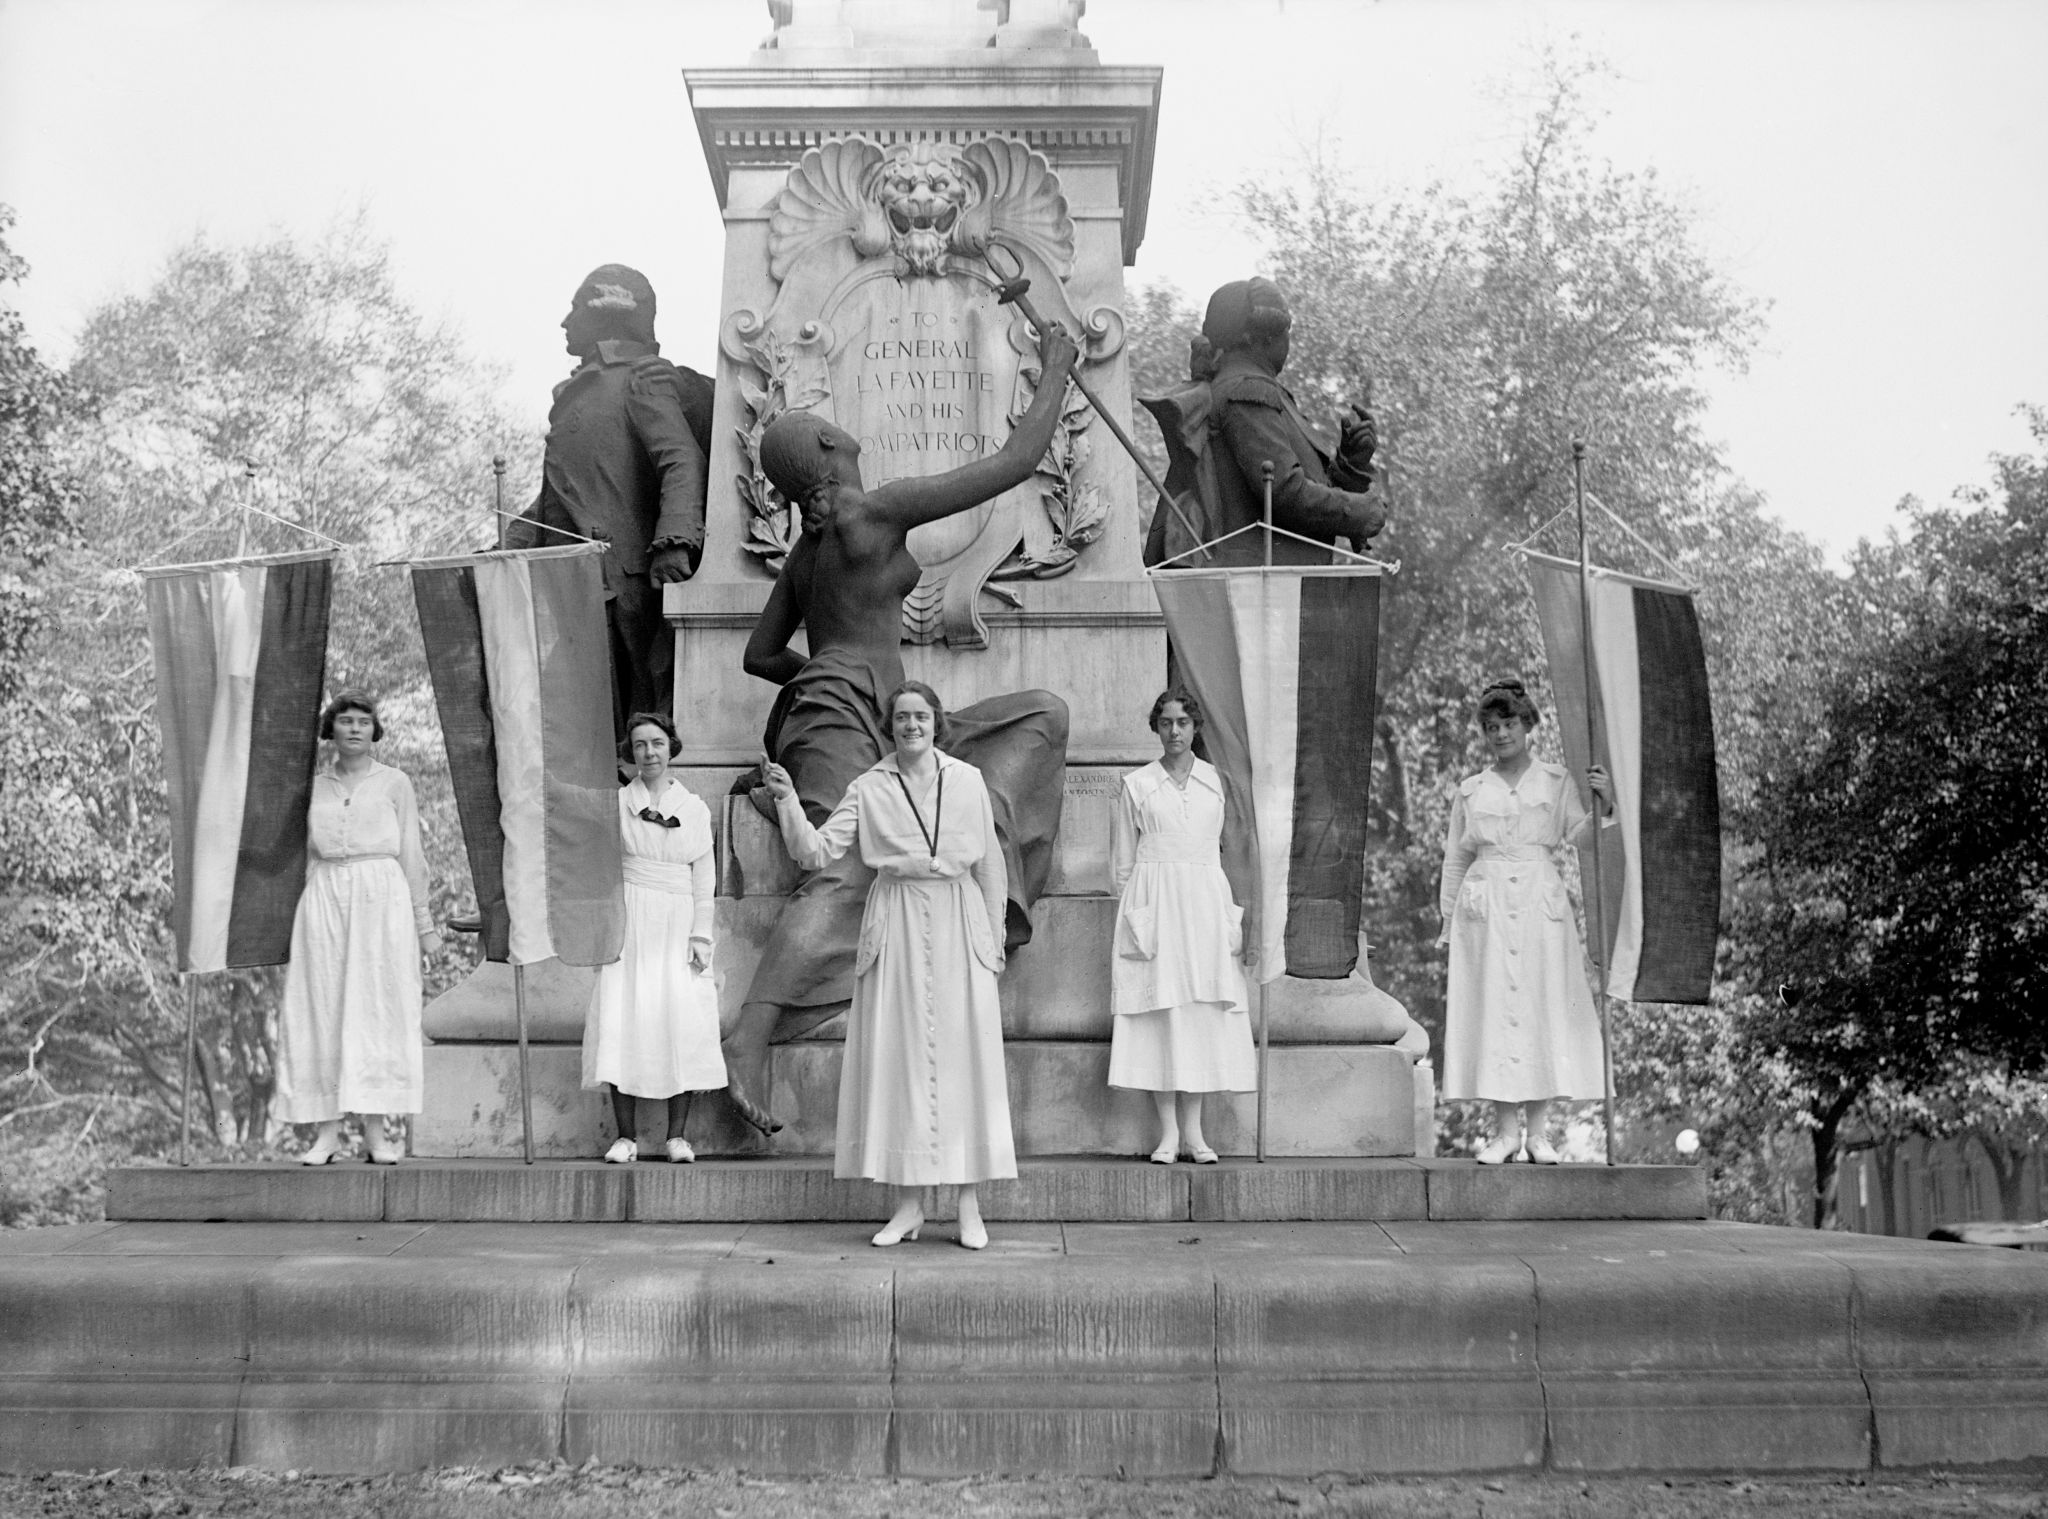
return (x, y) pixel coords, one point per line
(1508, 685)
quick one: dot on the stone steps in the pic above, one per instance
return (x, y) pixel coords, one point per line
(1147, 1351)
(1071, 1189)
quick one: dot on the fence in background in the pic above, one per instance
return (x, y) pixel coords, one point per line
(1930, 1182)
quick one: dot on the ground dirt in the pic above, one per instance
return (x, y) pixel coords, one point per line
(559, 1492)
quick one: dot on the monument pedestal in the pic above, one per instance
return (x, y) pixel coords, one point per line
(1344, 1073)
(870, 162)
(1328, 1100)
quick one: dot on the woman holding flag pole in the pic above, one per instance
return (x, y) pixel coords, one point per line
(348, 1031)
(1520, 1029)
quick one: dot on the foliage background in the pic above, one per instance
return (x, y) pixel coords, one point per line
(362, 423)
(1885, 875)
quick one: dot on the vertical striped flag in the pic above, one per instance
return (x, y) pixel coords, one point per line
(241, 656)
(1653, 729)
(521, 661)
(1284, 661)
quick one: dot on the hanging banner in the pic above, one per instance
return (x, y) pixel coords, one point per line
(1284, 661)
(521, 663)
(241, 659)
(1653, 727)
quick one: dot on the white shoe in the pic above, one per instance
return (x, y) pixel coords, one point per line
(384, 1146)
(325, 1147)
(973, 1233)
(1497, 1150)
(1541, 1151)
(900, 1228)
(623, 1151)
(680, 1153)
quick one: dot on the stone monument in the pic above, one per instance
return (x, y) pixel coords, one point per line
(869, 160)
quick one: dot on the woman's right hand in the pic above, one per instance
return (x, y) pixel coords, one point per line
(1057, 350)
(777, 780)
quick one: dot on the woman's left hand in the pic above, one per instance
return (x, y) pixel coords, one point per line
(1602, 784)
(700, 955)
(777, 780)
(430, 940)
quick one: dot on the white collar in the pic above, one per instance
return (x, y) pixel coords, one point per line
(1203, 774)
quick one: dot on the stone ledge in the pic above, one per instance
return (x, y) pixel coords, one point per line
(941, 1363)
(1466, 1190)
(336, 1192)
(801, 1188)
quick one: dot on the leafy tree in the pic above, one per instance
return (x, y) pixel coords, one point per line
(1901, 844)
(36, 505)
(1567, 297)
(362, 424)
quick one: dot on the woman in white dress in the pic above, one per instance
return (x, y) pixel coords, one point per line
(652, 1026)
(348, 1030)
(1179, 1025)
(922, 1094)
(1520, 1030)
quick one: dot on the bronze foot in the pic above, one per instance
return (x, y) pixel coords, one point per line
(745, 1106)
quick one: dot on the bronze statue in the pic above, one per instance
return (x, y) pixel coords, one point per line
(628, 435)
(1234, 416)
(844, 585)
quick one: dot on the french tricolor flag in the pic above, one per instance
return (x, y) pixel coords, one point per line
(241, 657)
(1652, 727)
(1285, 663)
(521, 662)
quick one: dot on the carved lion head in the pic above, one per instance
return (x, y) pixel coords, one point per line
(922, 191)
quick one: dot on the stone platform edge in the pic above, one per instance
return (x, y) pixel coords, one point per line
(796, 1190)
(1165, 1368)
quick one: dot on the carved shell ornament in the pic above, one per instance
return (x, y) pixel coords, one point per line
(852, 216)
(922, 201)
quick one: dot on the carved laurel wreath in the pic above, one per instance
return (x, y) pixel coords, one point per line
(771, 520)
(1076, 510)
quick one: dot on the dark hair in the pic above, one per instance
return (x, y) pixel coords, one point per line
(917, 688)
(351, 701)
(1507, 698)
(649, 720)
(796, 457)
(620, 302)
(1187, 701)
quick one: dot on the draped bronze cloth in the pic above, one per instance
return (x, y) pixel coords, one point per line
(826, 728)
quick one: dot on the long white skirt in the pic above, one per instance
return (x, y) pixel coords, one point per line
(348, 1030)
(651, 1029)
(1519, 1020)
(922, 1094)
(1197, 1047)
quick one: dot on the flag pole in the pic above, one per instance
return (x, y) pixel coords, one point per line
(1265, 1030)
(185, 1072)
(498, 488)
(518, 970)
(248, 503)
(525, 1071)
(1598, 916)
